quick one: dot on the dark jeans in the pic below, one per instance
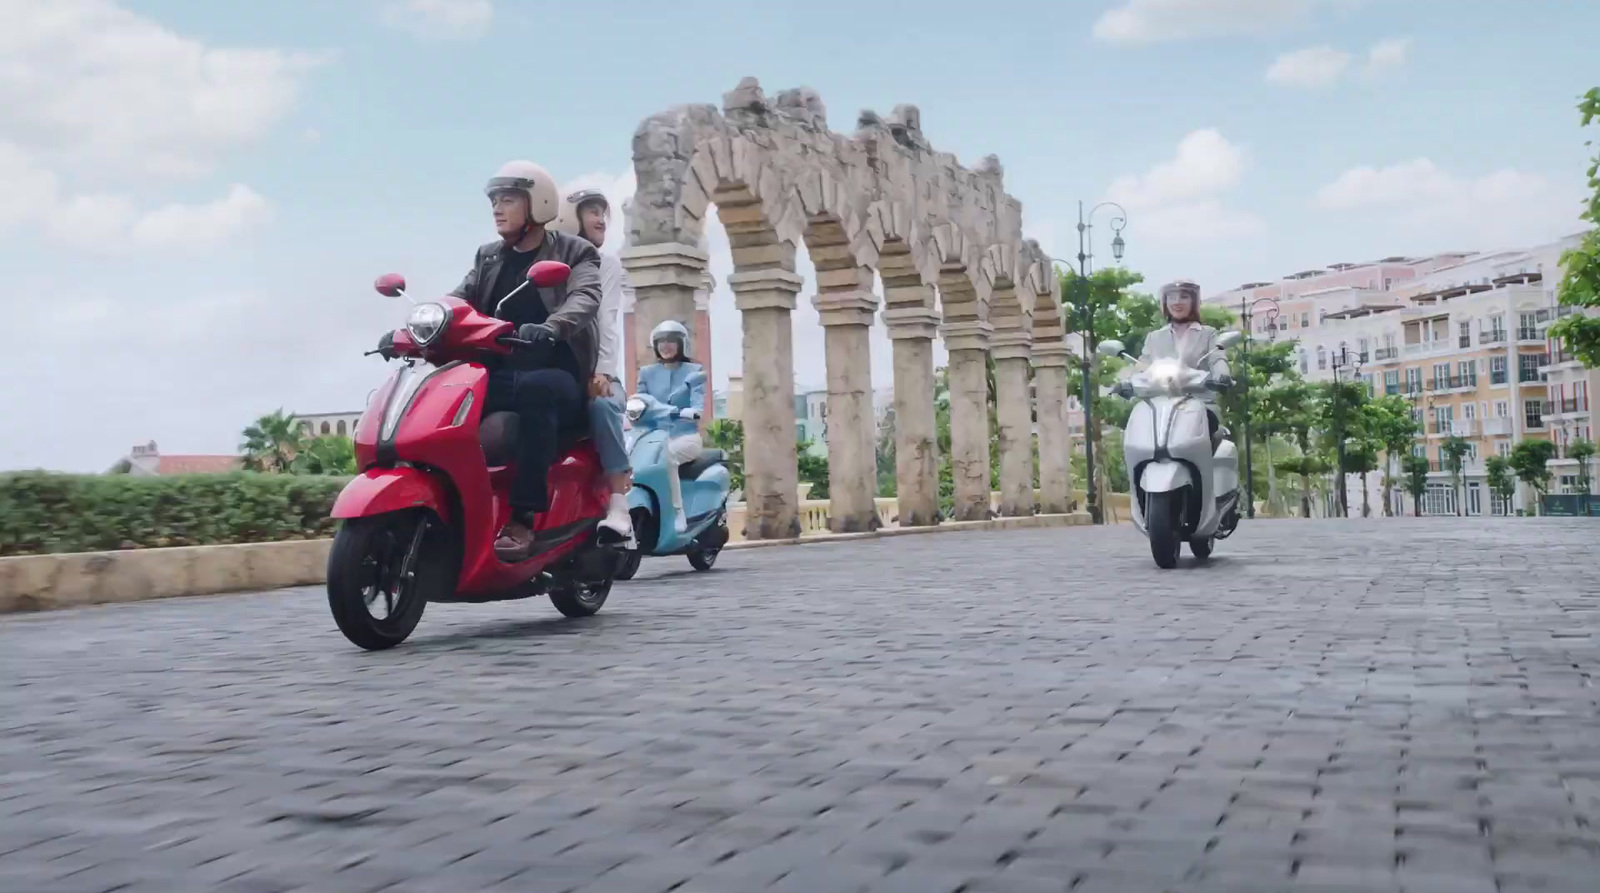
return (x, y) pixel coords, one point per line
(546, 401)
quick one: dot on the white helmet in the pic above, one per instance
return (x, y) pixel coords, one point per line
(670, 330)
(571, 220)
(544, 202)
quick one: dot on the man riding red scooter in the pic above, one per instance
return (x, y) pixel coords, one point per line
(478, 482)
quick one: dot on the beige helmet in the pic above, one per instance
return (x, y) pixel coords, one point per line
(544, 202)
(570, 221)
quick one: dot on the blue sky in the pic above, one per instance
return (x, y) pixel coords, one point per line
(195, 196)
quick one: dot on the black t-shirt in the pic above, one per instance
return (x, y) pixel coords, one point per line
(527, 307)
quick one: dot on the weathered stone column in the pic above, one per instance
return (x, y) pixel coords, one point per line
(852, 445)
(766, 299)
(968, 342)
(1051, 392)
(664, 280)
(1013, 405)
(916, 443)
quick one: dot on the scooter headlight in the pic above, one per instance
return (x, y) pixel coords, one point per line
(426, 322)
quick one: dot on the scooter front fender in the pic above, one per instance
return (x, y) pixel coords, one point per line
(381, 490)
(1164, 477)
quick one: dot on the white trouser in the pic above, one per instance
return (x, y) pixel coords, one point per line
(680, 450)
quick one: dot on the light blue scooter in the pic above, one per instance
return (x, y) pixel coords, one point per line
(705, 481)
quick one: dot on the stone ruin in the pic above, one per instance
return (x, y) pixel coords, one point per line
(947, 244)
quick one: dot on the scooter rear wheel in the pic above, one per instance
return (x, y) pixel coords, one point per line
(1202, 547)
(389, 561)
(579, 599)
(630, 565)
(1163, 514)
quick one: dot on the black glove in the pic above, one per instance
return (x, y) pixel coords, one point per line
(386, 346)
(536, 333)
(1222, 380)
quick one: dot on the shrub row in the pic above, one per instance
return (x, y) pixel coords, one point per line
(43, 513)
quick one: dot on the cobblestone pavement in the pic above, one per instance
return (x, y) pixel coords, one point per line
(1374, 706)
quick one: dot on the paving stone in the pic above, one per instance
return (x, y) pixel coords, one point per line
(1012, 711)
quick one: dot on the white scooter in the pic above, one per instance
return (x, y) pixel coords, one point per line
(1183, 491)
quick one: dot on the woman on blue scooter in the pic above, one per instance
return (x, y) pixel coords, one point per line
(677, 382)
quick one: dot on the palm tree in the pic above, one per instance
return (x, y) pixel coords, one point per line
(272, 442)
(1453, 451)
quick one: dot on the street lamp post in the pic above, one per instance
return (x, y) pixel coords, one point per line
(1246, 312)
(1085, 254)
(1351, 361)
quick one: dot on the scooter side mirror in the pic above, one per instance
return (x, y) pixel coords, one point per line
(390, 285)
(1110, 348)
(1229, 339)
(548, 273)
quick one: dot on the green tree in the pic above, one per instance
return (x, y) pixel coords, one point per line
(1529, 460)
(1582, 450)
(728, 435)
(1336, 413)
(1257, 372)
(1389, 420)
(888, 483)
(813, 469)
(328, 454)
(1361, 457)
(1580, 281)
(272, 442)
(1416, 470)
(1453, 452)
(1502, 479)
(1291, 408)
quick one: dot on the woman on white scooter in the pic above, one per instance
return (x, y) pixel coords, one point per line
(678, 382)
(1190, 342)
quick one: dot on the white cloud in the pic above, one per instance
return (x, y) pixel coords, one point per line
(31, 196)
(94, 86)
(440, 19)
(1324, 66)
(1180, 201)
(1204, 165)
(1387, 55)
(1310, 67)
(1152, 21)
(1429, 206)
(179, 225)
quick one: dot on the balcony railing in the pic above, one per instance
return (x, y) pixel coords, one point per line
(1451, 428)
(1495, 336)
(1533, 422)
(1384, 354)
(1496, 427)
(1498, 376)
(1558, 407)
(1530, 334)
(1454, 382)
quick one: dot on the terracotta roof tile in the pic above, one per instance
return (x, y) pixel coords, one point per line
(197, 464)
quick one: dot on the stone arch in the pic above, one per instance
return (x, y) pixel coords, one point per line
(880, 199)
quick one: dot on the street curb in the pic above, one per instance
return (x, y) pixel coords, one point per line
(49, 582)
(1026, 522)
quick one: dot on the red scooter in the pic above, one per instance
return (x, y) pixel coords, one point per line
(419, 522)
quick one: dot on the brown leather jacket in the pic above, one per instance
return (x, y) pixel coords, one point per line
(574, 307)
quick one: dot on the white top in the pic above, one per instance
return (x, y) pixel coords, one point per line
(610, 321)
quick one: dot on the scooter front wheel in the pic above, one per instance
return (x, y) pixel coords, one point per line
(1202, 547)
(381, 572)
(1163, 513)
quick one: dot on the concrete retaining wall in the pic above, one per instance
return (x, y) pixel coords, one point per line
(45, 582)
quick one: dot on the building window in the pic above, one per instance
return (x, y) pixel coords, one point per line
(340, 428)
(1497, 370)
(1441, 376)
(1503, 448)
(1322, 358)
(1414, 379)
(1528, 367)
(1469, 410)
(1391, 381)
(1468, 372)
(1465, 339)
(325, 428)
(1532, 413)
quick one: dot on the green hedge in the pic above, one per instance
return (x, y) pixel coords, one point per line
(42, 513)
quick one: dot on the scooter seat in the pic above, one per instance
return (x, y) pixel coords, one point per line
(497, 434)
(699, 465)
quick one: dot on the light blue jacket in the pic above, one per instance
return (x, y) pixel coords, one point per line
(666, 383)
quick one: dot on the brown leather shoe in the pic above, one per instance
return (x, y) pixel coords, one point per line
(514, 544)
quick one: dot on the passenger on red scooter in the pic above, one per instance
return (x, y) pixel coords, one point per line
(545, 385)
(587, 213)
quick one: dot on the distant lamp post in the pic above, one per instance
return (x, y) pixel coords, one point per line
(1085, 306)
(1246, 313)
(1344, 359)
